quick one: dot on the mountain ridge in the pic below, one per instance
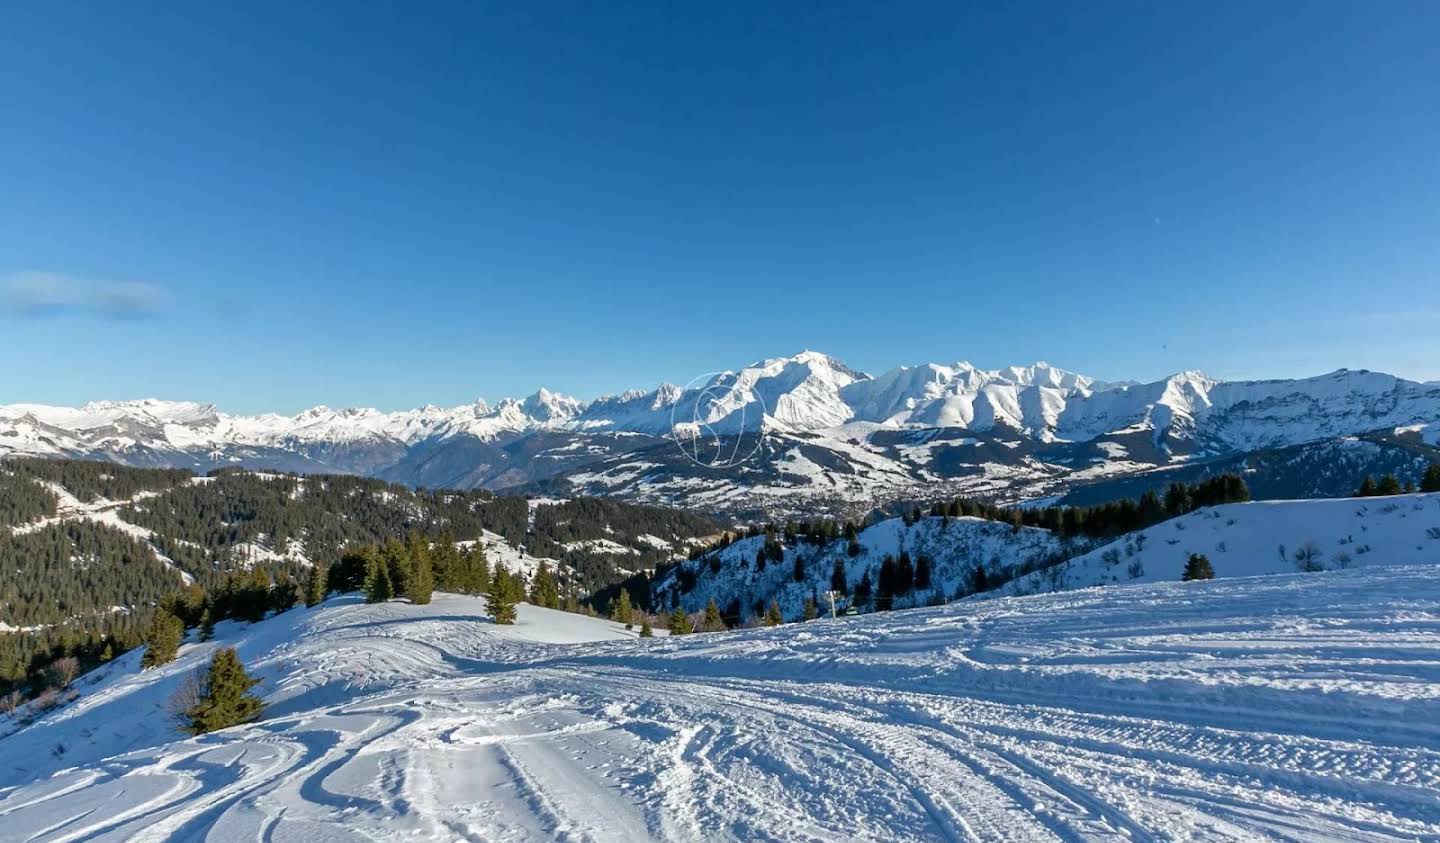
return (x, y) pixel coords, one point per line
(812, 427)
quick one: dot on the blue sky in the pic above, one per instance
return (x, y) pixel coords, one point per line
(272, 205)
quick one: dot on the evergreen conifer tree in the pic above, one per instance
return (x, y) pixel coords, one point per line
(378, 587)
(1197, 567)
(623, 611)
(645, 630)
(420, 585)
(773, 616)
(285, 593)
(501, 596)
(712, 621)
(543, 591)
(225, 698)
(923, 566)
(207, 626)
(1431, 481)
(162, 639)
(811, 610)
(315, 586)
(1367, 488)
(837, 578)
(680, 622)
(1388, 485)
(799, 567)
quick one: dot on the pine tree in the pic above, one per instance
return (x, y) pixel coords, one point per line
(923, 566)
(445, 564)
(1197, 567)
(680, 622)
(420, 585)
(285, 593)
(1431, 481)
(315, 586)
(501, 596)
(645, 630)
(207, 626)
(979, 580)
(225, 698)
(799, 568)
(712, 621)
(162, 639)
(543, 591)
(397, 564)
(773, 616)
(1388, 485)
(811, 610)
(474, 573)
(623, 612)
(837, 578)
(1367, 488)
(863, 589)
(378, 588)
(904, 574)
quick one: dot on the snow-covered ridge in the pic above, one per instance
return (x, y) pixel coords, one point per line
(809, 395)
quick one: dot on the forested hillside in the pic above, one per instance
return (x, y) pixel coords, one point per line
(87, 549)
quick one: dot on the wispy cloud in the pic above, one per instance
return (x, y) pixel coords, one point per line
(41, 294)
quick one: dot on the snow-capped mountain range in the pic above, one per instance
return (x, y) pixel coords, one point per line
(818, 430)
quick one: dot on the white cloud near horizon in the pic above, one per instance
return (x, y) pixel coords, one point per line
(39, 294)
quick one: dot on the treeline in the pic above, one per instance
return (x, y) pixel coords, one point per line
(77, 569)
(1110, 519)
(90, 481)
(22, 500)
(1388, 485)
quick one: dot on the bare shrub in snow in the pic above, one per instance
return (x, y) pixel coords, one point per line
(1307, 557)
(11, 701)
(1136, 569)
(63, 671)
(186, 697)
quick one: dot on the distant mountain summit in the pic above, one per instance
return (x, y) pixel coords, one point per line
(825, 434)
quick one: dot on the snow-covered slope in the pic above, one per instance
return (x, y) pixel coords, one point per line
(911, 431)
(731, 577)
(1299, 707)
(1264, 537)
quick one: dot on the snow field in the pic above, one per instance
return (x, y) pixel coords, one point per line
(1295, 707)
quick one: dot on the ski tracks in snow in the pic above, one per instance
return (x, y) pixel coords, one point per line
(1071, 718)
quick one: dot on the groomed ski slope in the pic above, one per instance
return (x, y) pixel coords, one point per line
(1295, 707)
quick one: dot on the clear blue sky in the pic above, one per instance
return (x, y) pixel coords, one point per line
(271, 205)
